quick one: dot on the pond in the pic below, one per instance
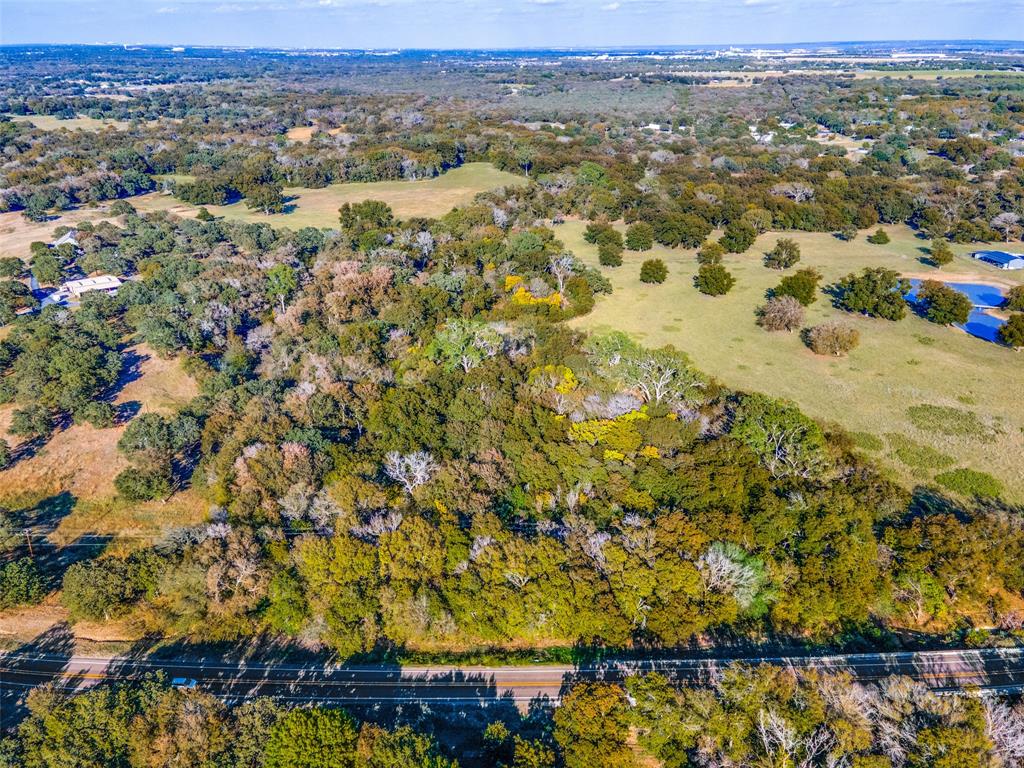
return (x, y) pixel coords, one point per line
(979, 323)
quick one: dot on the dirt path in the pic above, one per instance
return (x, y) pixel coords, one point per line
(947, 277)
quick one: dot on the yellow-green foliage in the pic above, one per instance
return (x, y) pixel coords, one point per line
(523, 296)
(620, 436)
(560, 377)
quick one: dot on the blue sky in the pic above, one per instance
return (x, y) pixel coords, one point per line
(501, 23)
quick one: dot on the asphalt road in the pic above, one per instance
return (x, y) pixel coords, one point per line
(1001, 669)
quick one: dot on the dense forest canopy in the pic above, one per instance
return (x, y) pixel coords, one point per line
(405, 448)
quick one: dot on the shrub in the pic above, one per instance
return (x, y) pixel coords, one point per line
(802, 285)
(916, 455)
(713, 280)
(1011, 333)
(653, 271)
(876, 292)
(879, 237)
(784, 255)
(848, 233)
(969, 482)
(832, 339)
(598, 233)
(124, 208)
(204, 215)
(609, 254)
(5, 454)
(710, 253)
(142, 485)
(866, 441)
(102, 588)
(940, 253)
(20, 583)
(948, 420)
(781, 313)
(640, 236)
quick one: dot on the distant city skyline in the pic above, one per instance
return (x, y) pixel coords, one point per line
(502, 23)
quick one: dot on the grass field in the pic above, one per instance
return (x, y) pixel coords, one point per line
(896, 367)
(17, 233)
(319, 207)
(81, 123)
(83, 461)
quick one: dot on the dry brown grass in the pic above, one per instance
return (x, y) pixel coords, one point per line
(17, 233)
(84, 460)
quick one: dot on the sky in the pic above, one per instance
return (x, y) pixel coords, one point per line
(502, 23)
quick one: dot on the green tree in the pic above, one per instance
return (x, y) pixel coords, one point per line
(686, 229)
(940, 253)
(401, 748)
(653, 271)
(281, 283)
(877, 292)
(12, 266)
(1014, 299)
(711, 252)
(312, 738)
(784, 255)
(640, 236)
(802, 285)
(713, 280)
(268, 198)
(1011, 333)
(738, 236)
(787, 442)
(609, 255)
(47, 268)
(14, 296)
(591, 727)
(942, 304)
(32, 422)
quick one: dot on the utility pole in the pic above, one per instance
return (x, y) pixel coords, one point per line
(28, 540)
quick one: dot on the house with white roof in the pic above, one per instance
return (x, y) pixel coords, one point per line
(106, 283)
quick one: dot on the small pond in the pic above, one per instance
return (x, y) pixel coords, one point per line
(984, 297)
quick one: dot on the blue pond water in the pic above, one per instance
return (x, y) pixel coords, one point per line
(979, 323)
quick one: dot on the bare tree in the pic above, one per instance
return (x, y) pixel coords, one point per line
(794, 190)
(562, 267)
(781, 313)
(1005, 729)
(377, 525)
(722, 569)
(1005, 222)
(660, 377)
(411, 470)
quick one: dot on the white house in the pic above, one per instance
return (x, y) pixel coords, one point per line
(106, 283)
(67, 237)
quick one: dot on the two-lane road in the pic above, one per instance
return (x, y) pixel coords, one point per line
(1001, 669)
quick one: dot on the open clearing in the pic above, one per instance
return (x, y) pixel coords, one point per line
(83, 461)
(897, 365)
(80, 123)
(17, 233)
(319, 207)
